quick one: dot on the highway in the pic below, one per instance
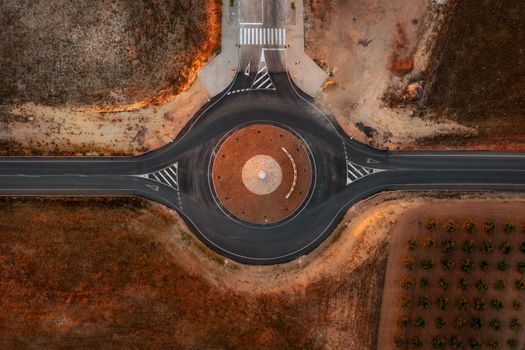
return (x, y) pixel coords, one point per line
(178, 175)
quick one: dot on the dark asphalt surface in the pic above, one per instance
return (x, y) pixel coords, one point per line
(329, 198)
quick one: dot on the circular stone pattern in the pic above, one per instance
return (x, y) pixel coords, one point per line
(261, 174)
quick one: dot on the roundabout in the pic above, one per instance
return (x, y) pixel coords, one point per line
(261, 174)
(261, 177)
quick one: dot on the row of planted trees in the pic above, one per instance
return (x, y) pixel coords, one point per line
(469, 226)
(462, 284)
(454, 342)
(465, 265)
(460, 323)
(463, 304)
(444, 285)
(468, 246)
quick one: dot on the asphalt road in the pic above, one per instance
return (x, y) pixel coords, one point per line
(332, 193)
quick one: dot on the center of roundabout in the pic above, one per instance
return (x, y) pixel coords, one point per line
(261, 174)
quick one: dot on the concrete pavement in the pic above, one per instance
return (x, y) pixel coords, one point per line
(251, 27)
(308, 76)
(218, 74)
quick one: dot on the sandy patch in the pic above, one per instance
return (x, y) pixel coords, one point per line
(43, 130)
(367, 47)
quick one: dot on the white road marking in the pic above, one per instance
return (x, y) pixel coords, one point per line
(262, 36)
(262, 79)
(168, 176)
(355, 171)
(294, 182)
(153, 187)
(171, 178)
(355, 168)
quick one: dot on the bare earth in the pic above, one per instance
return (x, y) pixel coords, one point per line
(42, 130)
(101, 77)
(427, 74)
(119, 273)
(412, 226)
(232, 156)
(116, 273)
(366, 47)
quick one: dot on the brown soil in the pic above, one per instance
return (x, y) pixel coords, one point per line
(44, 131)
(369, 47)
(233, 154)
(120, 274)
(480, 81)
(103, 77)
(116, 274)
(101, 52)
(424, 75)
(413, 227)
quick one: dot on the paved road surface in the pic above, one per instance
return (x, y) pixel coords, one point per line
(345, 173)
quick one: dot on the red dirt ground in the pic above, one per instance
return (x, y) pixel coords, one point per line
(120, 274)
(243, 145)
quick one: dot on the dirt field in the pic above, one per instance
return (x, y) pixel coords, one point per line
(415, 237)
(120, 273)
(480, 81)
(91, 76)
(424, 75)
(116, 274)
(370, 48)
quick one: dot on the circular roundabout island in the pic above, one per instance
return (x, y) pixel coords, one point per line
(261, 174)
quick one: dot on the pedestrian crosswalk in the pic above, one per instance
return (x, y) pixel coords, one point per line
(168, 176)
(262, 36)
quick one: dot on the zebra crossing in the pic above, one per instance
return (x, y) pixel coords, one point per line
(262, 80)
(262, 36)
(168, 176)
